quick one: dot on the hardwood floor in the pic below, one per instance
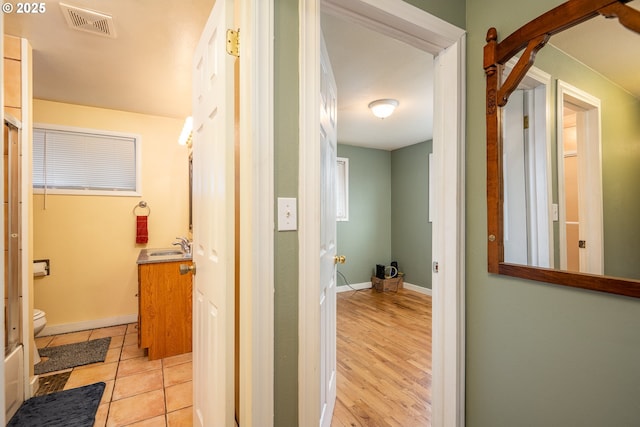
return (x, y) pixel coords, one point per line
(384, 359)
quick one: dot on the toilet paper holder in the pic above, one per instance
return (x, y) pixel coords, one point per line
(41, 267)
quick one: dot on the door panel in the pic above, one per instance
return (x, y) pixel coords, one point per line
(213, 223)
(328, 155)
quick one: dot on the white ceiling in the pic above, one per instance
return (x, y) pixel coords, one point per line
(368, 66)
(147, 68)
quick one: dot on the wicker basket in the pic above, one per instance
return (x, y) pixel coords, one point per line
(383, 285)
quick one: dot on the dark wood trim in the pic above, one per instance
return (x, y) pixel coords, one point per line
(613, 285)
(532, 37)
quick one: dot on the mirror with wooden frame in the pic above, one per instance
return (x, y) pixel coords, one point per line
(547, 255)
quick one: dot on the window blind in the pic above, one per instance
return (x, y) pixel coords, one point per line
(83, 161)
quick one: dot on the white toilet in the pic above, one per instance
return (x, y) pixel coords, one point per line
(39, 322)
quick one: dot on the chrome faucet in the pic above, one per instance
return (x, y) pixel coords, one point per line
(184, 243)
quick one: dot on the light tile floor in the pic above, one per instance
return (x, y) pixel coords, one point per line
(139, 392)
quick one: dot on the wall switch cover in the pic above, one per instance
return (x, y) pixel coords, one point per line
(287, 214)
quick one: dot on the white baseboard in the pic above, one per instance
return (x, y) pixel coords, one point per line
(353, 287)
(34, 385)
(367, 285)
(88, 324)
(417, 288)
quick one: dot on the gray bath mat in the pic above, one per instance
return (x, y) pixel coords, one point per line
(76, 407)
(72, 355)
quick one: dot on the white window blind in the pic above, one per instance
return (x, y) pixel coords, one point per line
(84, 161)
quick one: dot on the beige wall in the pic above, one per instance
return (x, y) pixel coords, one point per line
(90, 240)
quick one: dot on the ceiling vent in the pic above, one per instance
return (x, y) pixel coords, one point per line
(89, 21)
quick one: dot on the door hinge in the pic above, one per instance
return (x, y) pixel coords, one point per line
(233, 42)
(582, 244)
(526, 122)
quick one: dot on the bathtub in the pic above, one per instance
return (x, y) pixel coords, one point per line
(13, 381)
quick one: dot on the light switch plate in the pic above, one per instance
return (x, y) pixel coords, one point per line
(287, 214)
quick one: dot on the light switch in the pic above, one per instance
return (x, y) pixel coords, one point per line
(287, 214)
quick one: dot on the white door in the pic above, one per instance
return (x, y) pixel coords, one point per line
(328, 155)
(514, 160)
(527, 222)
(213, 224)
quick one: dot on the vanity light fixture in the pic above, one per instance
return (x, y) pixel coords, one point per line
(383, 108)
(185, 135)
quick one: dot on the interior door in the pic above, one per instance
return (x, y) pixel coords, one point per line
(213, 223)
(328, 146)
(527, 222)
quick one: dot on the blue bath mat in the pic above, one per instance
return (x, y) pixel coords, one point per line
(76, 407)
(72, 355)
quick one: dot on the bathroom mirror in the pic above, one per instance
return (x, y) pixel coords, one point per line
(191, 192)
(542, 246)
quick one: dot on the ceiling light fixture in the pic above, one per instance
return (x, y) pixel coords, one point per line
(383, 108)
(185, 135)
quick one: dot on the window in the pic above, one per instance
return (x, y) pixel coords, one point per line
(342, 181)
(85, 161)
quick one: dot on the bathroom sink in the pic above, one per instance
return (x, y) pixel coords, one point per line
(165, 252)
(147, 256)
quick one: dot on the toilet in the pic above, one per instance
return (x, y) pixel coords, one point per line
(39, 322)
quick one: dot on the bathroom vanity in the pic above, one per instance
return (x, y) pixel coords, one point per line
(164, 302)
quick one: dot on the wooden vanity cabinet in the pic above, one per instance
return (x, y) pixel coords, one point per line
(164, 309)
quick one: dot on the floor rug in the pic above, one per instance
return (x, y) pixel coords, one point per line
(72, 355)
(76, 407)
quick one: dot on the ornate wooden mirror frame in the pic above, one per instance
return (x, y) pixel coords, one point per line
(532, 37)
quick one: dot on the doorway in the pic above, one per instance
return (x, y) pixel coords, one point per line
(579, 181)
(388, 214)
(446, 43)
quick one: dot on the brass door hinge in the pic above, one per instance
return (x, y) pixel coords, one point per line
(526, 122)
(233, 42)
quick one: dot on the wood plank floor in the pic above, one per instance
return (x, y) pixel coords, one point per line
(384, 359)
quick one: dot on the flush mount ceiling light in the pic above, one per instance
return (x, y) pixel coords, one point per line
(383, 108)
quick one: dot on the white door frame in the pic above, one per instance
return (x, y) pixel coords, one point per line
(447, 43)
(2, 266)
(256, 20)
(590, 176)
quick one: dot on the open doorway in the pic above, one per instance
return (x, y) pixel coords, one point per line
(579, 181)
(446, 42)
(387, 220)
(445, 154)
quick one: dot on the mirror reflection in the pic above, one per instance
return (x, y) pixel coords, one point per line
(571, 154)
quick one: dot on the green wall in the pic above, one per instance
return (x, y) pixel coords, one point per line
(366, 238)
(536, 354)
(286, 185)
(388, 213)
(450, 11)
(411, 229)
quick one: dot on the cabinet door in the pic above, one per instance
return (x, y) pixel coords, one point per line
(165, 309)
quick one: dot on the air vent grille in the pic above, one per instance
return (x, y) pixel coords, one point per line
(88, 20)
